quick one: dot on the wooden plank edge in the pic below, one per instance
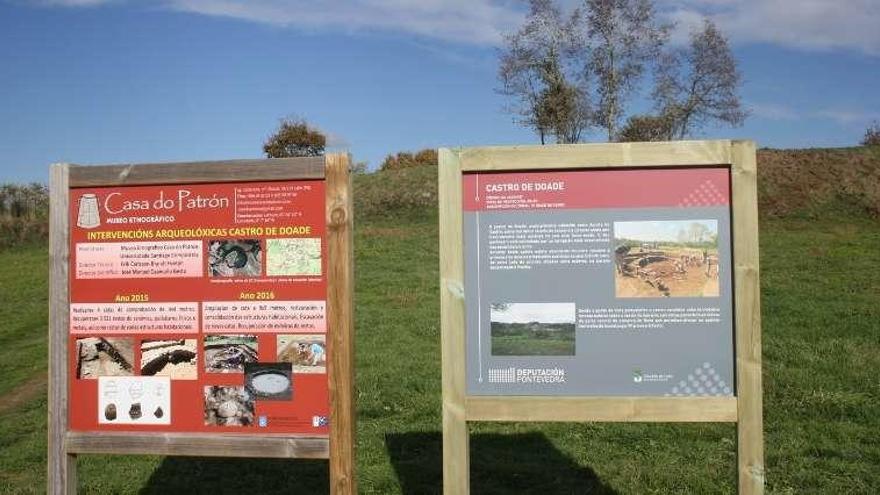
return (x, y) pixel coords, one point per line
(605, 409)
(750, 436)
(61, 465)
(596, 155)
(273, 169)
(340, 324)
(456, 450)
(206, 445)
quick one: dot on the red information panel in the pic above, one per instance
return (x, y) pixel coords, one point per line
(199, 308)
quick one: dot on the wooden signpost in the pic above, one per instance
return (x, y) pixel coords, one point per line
(202, 309)
(600, 282)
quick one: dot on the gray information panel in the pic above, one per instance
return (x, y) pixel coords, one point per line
(599, 282)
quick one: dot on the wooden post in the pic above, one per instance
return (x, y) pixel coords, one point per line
(340, 324)
(61, 477)
(456, 452)
(747, 303)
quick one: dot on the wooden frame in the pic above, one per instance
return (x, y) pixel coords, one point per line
(338, 447)
(745, 408)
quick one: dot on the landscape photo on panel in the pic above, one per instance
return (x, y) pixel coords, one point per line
(677, 258)
(533, 329)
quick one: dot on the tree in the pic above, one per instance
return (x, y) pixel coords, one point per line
(699, 83)
(295, 138)
(623, 37)
(405, 159)
(561, 110)
(538, 69)
(359, 168)
(646, 128)
(872, 135)
(697, 232)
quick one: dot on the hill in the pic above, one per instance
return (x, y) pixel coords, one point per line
(806, 181)
(821, 352)
(790, 182)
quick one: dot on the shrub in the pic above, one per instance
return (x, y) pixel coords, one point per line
(24, 201)
(405, 159)
(646, 128)
(872, 135)
(406, 192)
(24, 214)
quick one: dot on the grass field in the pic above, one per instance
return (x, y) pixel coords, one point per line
(516, 339)
(821, 321)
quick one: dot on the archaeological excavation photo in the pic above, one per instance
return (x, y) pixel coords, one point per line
(666, 259)
(307, 353)
(235, 258)
(269, 381)
(229, 353)
(175, 358)
(228, 406)
(99, 356)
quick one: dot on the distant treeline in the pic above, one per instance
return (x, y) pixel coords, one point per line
(533, 329)
(692, 245)
(24, 214)
(24, 201)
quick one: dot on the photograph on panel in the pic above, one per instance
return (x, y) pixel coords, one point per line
(235, 258)
(293, 256)
(533, 329)
(100, 356)
(677, 258)
(269, 381)
(307, 353)
(228, 406)
(229, 353)
(176, 358)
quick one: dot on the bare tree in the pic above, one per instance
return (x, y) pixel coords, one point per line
(699, 83)
(539, 70)
(872, 135)
(624, 37)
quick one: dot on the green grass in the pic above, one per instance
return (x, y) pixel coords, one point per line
(528, 346)
(23, 315)
(821, 321)
(518, 340)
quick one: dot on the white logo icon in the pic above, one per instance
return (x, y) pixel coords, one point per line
(88, 217)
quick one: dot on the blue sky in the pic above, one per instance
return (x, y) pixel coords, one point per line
(127, 81)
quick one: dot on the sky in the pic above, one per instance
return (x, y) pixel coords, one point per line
(135, 81)
(659, 231)
(540, 312)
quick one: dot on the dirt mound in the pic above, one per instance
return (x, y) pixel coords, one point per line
(791, 181)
